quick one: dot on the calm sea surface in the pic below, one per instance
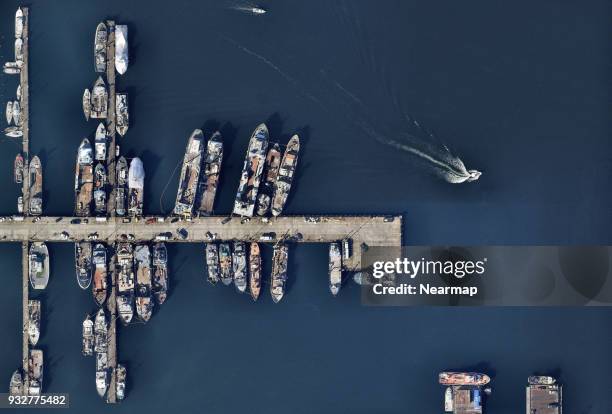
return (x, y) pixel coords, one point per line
(519, 90)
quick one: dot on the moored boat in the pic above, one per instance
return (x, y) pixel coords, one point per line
(463, 378)
(36, 187)
(16, 384)
(100, 332)
(100, 142)
(101, 382)
(12, 68)
(87, 104)
(100, 180)
(136, 176)
(254, 270)
(190, 173)
(16, 113)
(264, 199)
(144, 301)
(122, 113)
(279, 271)
(99, 100)
(9, 112)
(88, 336)
(282, 186)
(121, 379)
(212, 263)
(207, 188)
(225, 263)
(541, 380)
(13, 132)
(121, 48)
(100, 278)
(239, 266)
(19, 50)
(33, 321)
(19, 17)
(18, 166)
(100, 41)
(160, 272)
(125, 282)
(18, 92)
(121, 188)
(252, 169)
(39, 265)
(335, 268)
(83, 179)
(35, 371)
(83, 264)
(448, 400)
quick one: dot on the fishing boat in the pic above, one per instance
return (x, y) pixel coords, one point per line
(121, 188)
(100, 332)
(100, 142)
(83, 264)
(16, 384)
(102, 382)
(225, 263)
(285, 175)
(39, 265)
(16, 113)
(99, 195)
(254, 270)
(99, 100)
(122, 113)
(33, 321)
(279, 271)
(35, 371)
(19, 50)
(19, 23)
(160, 272)
(335, 268)
(36, 187)
(239, 266)
(100, 41)
(100, 277)
(87, 104)
(9, 112)
(144, 301)
(125, 282)
(88, 336)
(252, 169)
(190, 173)
(13, 132)
(264, 199)
(121, 48)
(463, 378)
(121, 379)
(83, 179)
(18, 169)
(207, 188)
(212, 263)
(136, 175)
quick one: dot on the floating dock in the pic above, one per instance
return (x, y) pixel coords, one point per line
(544, 399)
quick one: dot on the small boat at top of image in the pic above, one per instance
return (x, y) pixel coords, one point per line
(212, 263)
(239, 266)
(83, 264)
(9, 112)
(100, 277)
(541, 380)
(13, 132)
(99, 100)
(99, 195)
(33, 321)
(136, 176)
(279, 271)
(209, 181)
(121, 379)
(264, 199)
(335, 268)
(122, 113)
(39, 265)
(121, 48)
(19, 23)
(35, 371)
(190, 173)
(83, 179)
(463, 378)
(19, 50)
(100, 142)
(16, 113)
(254, 270)
(88, 337)
(282, 186)
(16, 384)
(87, 104)
(144, 301)
(225, 263)
(160, 272)
(121, 187)
(36, 187)
(246, 196)
(100, 332)
(100, 41)
(18, 169)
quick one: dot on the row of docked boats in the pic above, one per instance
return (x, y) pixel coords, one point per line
(200, 174)
(14, 67)
(95, 342)
(101, 45)
(278, 172)
(34, 374)
(96, 105)
(233, 263)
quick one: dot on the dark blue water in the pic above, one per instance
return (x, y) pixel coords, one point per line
(520, 90)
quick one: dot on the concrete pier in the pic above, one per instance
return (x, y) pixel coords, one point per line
(25, 110)
(25, 313)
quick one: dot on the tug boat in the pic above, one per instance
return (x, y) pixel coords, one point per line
(254, 270)
(83, 264)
